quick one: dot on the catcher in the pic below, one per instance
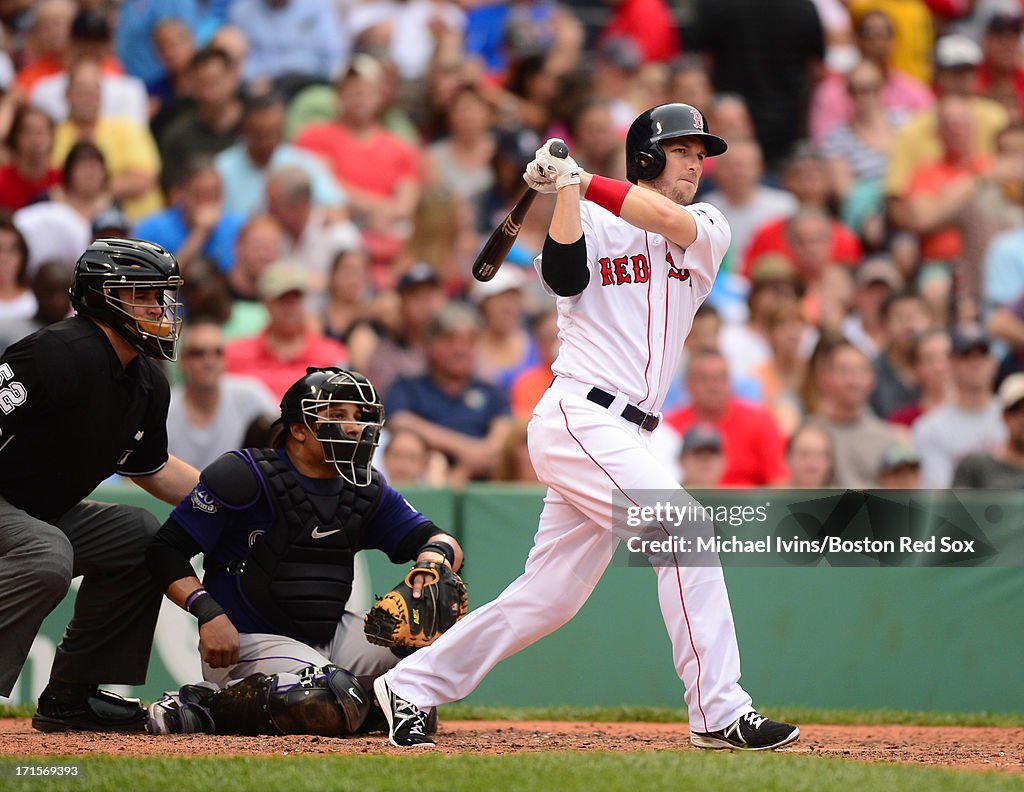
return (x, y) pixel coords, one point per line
(279, 529)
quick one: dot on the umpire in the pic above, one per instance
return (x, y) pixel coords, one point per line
(80, 400)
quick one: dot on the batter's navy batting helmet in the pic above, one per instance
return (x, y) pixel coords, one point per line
(108, 276)
(309, 402)
(645, 159)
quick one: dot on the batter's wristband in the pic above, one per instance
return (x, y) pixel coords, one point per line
(608, 193)
(205, 608)
(443, 548)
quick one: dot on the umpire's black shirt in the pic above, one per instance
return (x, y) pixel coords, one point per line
(71, 416)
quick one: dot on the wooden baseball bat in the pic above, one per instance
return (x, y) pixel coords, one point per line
(500, 242)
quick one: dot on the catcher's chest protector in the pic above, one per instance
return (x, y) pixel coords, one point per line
(300, 576)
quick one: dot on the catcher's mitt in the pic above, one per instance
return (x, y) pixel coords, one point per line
(405, 624)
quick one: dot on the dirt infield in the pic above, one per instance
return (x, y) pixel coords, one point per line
(941, 746)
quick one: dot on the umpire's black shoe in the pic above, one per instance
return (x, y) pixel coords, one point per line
(87, 708)
(750, 732)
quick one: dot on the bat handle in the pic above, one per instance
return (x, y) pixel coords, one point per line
(558, 149)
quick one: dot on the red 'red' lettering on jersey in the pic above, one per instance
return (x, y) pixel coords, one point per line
(633, 269)
(621, 275)
(641, 269)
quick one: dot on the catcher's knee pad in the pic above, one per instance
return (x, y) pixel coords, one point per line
(327, 701)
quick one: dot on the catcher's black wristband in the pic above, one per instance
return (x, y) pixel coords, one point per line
(204, 607)
(443, 548)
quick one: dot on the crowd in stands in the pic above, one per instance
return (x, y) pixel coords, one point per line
(326, 170)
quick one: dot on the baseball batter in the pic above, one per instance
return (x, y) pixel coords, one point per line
(629, 267)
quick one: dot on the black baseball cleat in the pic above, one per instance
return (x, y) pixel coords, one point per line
(87, 708)
(750, 732)
(407, 723)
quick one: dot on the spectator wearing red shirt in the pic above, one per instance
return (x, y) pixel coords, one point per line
(379, 171)
(938, 194)
(49, 41)
(649, 23)
(1001, 74)
(28, 175)
(753, 445)
(279, 355)
(806, 176)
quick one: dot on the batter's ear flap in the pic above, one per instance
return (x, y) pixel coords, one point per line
(644, 161)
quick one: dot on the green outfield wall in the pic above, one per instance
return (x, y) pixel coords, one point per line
(914, 638)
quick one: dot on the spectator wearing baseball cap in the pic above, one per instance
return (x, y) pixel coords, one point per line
(1004, 467)
(918, 145)
(279, 355)
(874, 281)
(111, 222)
(701, 457)
(900, 468)
(401, 350)
(505, 348)
(773, 281)
(970, 422)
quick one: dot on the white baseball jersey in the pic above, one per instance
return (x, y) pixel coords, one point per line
(625, 331)
(622, 334)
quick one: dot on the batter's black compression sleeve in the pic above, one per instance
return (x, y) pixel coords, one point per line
(564, 267)
(169, 554)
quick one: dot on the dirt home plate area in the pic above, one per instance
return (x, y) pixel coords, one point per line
(961, 748)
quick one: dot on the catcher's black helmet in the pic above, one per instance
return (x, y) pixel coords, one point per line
(308, 402)
(108, 277)
(645, 159)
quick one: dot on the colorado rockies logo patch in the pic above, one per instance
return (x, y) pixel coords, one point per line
(202, 500)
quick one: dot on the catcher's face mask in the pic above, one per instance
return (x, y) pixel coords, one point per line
(346, 416)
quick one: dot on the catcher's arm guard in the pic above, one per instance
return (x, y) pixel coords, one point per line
(405, 624)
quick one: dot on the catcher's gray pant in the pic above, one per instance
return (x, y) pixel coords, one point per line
(111, 633)
(277, 654)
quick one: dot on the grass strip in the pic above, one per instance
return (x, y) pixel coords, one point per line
(570, 771)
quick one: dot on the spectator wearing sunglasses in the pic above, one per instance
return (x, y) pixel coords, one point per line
(212, 411)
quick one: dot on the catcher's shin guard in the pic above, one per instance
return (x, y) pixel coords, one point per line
(184, 712)
(327, 701)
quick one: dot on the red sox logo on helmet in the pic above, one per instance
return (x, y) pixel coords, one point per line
(698, 119)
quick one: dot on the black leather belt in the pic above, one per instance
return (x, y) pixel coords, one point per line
(646, 421)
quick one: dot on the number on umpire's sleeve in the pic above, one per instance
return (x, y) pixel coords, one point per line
(13, 395)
